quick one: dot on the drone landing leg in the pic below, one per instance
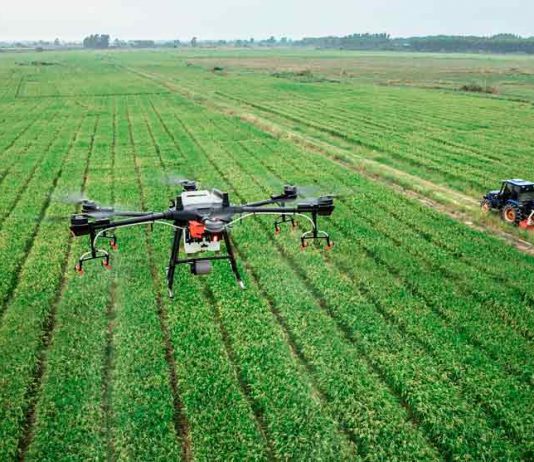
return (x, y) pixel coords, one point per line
(231, 257)
(173, 259)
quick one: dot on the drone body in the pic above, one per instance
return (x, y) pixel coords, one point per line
(202, 219)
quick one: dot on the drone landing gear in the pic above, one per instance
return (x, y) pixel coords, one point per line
(284, 219)
(97, 254)
(315, 234)
(201, 265)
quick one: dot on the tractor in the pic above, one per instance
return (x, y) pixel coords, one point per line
(514, 201)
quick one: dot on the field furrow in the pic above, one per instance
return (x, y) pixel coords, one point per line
(411, 339)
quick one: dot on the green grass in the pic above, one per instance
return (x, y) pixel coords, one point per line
(412, 339)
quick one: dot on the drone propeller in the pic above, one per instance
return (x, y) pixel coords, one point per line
(94, 209)
(187, 183)
(176, 180)
(75, 198)
(310, 194)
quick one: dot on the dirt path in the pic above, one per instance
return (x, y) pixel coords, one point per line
(453, 203)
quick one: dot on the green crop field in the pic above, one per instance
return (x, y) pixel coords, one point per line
(412, 339)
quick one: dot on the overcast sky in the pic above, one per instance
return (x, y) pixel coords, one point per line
(228, 19)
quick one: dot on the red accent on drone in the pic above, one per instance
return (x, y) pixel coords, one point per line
(196, 229)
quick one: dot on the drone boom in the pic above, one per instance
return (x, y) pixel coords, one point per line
(201, 219)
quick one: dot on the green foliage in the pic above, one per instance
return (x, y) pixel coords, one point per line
(98, 41)
(410, 340)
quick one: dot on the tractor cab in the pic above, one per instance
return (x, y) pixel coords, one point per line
(515, 200)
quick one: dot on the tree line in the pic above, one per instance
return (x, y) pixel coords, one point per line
(502, 43)
(98, 41)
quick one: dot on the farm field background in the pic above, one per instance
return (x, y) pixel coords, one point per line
(411, 340)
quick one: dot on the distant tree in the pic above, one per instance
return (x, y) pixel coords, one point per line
(56, 42)
(142, 43)
(194, 42)
(176, 43)
(96, 41)
(271, 40)
(501, 43)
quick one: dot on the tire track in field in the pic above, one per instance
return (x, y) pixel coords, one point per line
(24, 185)
(438, 311)
(15, 275)
(298, 354)
(19, 85)
(229, 351)
(11, 164)
(492, 416)
(385, 175)
(337, 133)
(179, 419)
(460, 208)
(238, 372)
(466, 167)
(413, 419)
(32, 393)
(13, 111)
(108, 366)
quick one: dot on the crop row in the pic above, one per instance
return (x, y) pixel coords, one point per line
(416, 142)
(123, 378)
(29, 316)
(486, 372)
(274, 385)
(229, 169)
(19, 229)
(491, 284)
(415, 158)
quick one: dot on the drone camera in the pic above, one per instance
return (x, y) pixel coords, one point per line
(200, 267)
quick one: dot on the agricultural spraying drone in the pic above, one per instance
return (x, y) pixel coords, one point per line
(202, 219)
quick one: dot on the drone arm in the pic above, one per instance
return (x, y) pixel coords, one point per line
(80, 225)
(272, 200)
(137, 219)
(317, 208)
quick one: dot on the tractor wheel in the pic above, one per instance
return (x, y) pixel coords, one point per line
(485, 206)
(511, 214)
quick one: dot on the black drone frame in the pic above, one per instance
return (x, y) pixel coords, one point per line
(96, 222)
